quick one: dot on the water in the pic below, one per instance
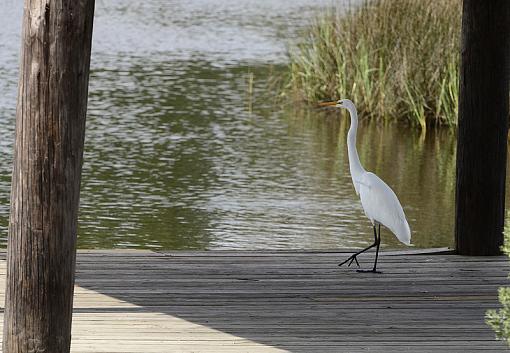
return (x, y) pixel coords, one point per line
(180, 155)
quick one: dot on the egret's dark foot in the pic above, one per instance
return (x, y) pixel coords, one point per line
(368, 271)
(351, 258)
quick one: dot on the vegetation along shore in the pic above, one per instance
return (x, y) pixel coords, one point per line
(397, 59)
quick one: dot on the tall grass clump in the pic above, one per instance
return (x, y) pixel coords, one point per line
(393, 58)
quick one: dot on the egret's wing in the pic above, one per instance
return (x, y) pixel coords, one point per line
(381, 205)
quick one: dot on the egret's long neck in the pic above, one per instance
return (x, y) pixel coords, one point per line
(354, 162)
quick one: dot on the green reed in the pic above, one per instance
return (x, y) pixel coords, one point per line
(396, 59)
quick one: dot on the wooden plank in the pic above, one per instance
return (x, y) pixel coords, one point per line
(140, 301)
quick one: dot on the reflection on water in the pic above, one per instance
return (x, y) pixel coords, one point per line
(192, 167)
(419, 168)
(179, 156)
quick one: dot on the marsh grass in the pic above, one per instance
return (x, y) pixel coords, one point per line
(396, 59)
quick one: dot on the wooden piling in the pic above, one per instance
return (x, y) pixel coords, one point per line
(50, 126)
(483, 127)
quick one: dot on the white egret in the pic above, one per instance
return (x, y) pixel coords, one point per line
(379, 202)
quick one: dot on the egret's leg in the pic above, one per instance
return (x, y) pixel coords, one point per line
(378, 244)
(378, 241)
(353, 256)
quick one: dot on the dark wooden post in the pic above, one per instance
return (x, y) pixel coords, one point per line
(48, 154)
(483, 127)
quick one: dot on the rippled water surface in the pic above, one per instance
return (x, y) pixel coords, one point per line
(185, 148)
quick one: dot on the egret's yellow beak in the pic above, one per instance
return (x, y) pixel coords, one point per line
(327, 104)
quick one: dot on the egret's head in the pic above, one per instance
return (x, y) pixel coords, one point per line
(341, 103)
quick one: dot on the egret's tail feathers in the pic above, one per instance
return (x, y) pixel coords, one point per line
(403, 233)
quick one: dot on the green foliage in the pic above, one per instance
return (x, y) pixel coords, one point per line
(499, 320)
(395, 58)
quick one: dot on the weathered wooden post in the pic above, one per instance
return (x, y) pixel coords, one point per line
(48, 153)
(483, 127)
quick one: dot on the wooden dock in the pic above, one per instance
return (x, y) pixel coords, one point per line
(222, 301)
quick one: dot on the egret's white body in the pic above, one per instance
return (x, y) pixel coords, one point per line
(382, 206)
(379, 202)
